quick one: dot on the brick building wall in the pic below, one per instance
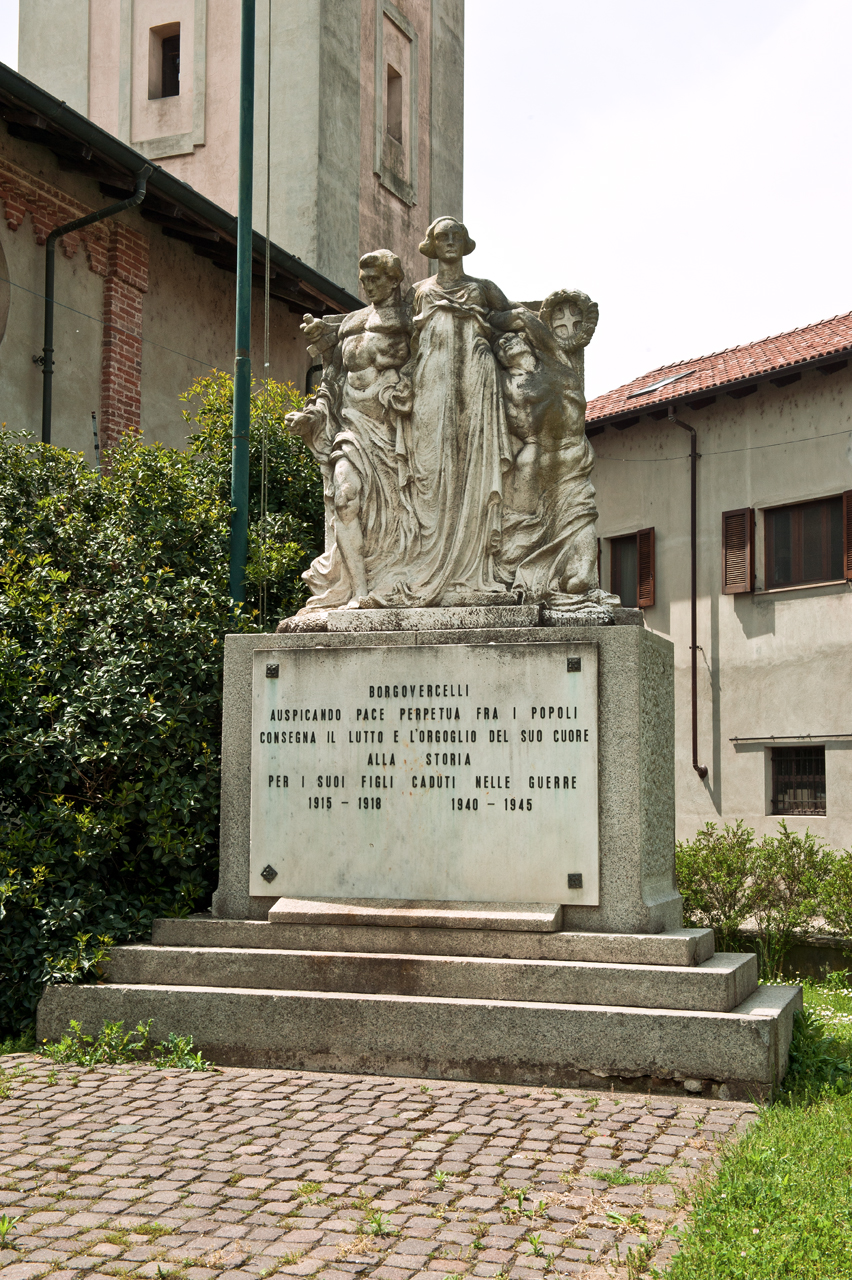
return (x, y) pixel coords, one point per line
(119, 255)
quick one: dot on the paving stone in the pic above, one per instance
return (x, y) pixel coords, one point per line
(218, 1160)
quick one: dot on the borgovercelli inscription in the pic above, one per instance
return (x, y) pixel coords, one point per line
(464, 774)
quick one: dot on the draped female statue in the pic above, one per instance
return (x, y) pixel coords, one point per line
(450, 430)
(460, 439)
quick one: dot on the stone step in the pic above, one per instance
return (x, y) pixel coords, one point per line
(675, 947)
(717, 985)
(507, 1042)
(512, 917)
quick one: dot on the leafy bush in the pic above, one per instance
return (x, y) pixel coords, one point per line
(287, 528)
(837, 906)
(779, 885)
(715, 875)
(791, 873)
(113, 607)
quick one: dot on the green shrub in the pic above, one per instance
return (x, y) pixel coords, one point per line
(781, 886)
(837, 906)
(113, 608)
(287, 529)
(791, 876)
(715, 874)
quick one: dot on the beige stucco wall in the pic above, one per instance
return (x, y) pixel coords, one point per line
(54, 35)
(772, 663)
(188, 326)
(187, 323)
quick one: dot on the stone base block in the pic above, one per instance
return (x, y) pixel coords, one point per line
(674, 947)
(522, 917)
(719, 985)
(743, 1052)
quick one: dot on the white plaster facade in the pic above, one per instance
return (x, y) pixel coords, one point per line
(340, 183)
(772, 662)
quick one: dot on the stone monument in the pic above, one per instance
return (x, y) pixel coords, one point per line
(447, 832)
(450, 431)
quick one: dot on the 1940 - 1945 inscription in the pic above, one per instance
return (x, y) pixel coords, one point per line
(483, 758)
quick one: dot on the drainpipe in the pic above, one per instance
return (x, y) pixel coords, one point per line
(700, 769)
(242, 359)
(49, 278)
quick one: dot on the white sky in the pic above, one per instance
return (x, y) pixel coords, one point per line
(683, 161)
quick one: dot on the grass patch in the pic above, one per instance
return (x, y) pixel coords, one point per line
(621, 1178)
(153, 1230)
(781, 1205)
(24, 1043)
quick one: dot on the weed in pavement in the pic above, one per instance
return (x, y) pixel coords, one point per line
(7, 1225)
(115, 1045)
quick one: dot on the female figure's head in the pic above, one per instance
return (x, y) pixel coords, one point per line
(447, 240)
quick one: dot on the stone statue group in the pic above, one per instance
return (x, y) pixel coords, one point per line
(450, 430)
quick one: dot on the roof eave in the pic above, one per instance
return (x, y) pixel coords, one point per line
(720, 388)
(166, 184)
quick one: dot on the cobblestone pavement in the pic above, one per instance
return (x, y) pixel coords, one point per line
(240, 1174)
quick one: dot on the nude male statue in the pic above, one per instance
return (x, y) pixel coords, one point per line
(357, 427)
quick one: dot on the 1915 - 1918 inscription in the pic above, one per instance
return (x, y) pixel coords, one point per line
(452, 772)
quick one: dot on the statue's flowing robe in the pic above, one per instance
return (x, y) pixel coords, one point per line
(461, 446)
(538, 547)
(374, 440)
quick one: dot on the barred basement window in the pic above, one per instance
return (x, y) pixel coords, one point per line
(798, 780)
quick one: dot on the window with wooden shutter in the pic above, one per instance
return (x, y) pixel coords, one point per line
(647, 572)
(632, 569)
(847, 534)
(805, 543)
(737, 551)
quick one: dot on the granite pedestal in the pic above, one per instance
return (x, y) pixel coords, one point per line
(534, 938)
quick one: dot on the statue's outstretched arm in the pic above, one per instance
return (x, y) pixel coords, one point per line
(540, 336)
(323, 335)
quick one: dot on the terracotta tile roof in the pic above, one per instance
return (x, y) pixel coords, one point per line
(689, 378)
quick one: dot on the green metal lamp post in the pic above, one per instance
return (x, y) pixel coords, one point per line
(242, 361)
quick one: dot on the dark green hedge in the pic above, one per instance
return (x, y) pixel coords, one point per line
(113, 608)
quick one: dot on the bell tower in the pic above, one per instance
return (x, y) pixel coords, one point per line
(364, 99)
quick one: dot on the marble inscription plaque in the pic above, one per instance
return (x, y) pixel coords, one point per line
(449, 772)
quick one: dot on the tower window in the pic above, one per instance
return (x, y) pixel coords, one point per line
(394, 103)
(164, 61)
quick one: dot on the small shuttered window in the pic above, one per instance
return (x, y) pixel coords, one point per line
(737, 551)
(647, 568)
(847, 534)
(632, 569)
